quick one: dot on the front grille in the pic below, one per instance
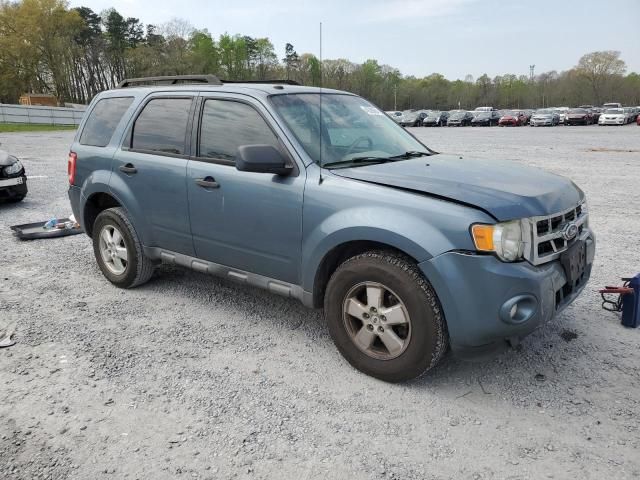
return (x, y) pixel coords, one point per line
(544, 240)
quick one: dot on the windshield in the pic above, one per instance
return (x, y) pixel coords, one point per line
(508, 113)
(614, 111)
(351, 128)
(578, 110)
(544, 112)
(433, 114)
(483, 115)
(456, 114)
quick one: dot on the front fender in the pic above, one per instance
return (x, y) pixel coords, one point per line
(401, 230)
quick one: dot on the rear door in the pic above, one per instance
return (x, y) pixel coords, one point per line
(244, 220)
(149, 171)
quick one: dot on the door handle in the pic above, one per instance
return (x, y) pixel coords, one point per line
(129, 169)
(207, 182)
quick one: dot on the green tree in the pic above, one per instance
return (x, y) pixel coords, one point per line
(598, 68)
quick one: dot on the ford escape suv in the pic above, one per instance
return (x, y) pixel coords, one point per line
(320, 196)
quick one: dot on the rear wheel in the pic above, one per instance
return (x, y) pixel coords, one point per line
(384, 316)
(118, 250)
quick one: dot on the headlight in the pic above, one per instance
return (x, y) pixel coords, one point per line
(13, 169)
(503, 239)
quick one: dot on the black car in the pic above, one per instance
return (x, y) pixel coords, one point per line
(459, 118)
(13, 180)
(485, 119)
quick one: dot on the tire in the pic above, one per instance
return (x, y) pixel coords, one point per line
(138, 268)
(16, 199)
(424, 334)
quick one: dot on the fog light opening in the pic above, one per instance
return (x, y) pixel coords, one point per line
(518, 309)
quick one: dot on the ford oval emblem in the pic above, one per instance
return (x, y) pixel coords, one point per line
(569, 231)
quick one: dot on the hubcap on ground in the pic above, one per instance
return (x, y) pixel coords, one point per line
(113, 250)
(376, 320)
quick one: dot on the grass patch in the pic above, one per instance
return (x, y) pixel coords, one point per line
(29, 127)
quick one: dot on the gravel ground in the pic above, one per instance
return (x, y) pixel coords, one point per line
(194, 377)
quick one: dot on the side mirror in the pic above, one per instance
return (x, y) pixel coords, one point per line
(262, 159)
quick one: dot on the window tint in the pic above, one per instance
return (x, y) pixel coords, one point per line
(162, 126)
(227, 125)
(103, 120)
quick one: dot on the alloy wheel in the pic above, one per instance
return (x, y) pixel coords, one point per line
(113, 250)
(376, 320)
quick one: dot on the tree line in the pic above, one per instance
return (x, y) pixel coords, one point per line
(46, 47)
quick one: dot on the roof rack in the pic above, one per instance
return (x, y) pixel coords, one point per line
(264, 82)
(170, 80)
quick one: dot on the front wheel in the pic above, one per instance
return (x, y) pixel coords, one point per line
(118, 250)
(384, 316)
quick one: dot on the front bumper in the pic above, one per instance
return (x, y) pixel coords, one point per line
(474, 291)
(9, 189)
(541, 122)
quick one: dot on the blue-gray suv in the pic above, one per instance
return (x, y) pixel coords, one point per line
(320, 196)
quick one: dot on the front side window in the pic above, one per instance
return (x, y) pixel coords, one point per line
(103, 120)
(349, 127)
(162, 126)
(227, 125)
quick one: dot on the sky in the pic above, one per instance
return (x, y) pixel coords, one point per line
(419, 37)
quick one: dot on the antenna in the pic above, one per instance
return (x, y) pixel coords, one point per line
(320, 101)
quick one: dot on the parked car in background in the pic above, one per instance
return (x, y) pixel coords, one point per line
(459, 118)
(631, 114)
(395, 115)
(512, 118)
(562, 114)
(606, 106)
(435, 118)
(403, 276)
(485, 109)
(413, 118)
(528, 113)
(596, 112)
(638, 120)
(613, 116)
(484, 118)
(13, 179)
(579, 116)
(545, 117)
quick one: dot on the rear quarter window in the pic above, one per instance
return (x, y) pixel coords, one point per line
(103, 120)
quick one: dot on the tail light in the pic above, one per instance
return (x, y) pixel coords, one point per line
(71, 167)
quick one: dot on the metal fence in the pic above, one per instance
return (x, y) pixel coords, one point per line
(40, 115)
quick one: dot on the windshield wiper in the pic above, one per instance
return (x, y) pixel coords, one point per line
(358, 160)
(411, 154)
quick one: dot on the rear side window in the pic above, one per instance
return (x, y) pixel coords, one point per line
(103, 120)
(226, 125)
(162, 126)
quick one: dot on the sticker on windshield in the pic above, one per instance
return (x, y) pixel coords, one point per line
(371, 110)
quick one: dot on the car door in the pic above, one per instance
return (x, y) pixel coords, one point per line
(243, 220)
(149, 171)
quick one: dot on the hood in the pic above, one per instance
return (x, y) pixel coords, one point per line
(503, 189)
(6, 159)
